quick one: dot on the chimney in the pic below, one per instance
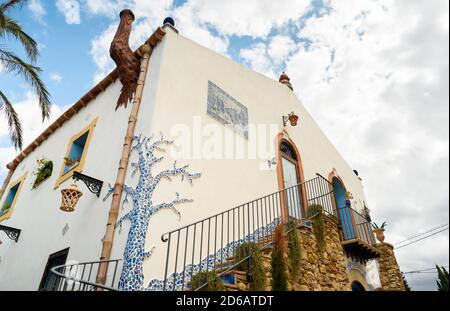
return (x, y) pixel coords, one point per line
(284, 79)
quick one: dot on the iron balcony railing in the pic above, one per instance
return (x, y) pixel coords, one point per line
(355, 226)
(82, 277)
(209, 244)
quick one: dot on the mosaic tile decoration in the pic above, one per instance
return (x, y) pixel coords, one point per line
(132, 276)
(180, 280)
(227, 110)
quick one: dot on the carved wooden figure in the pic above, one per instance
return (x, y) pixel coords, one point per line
(128, 64)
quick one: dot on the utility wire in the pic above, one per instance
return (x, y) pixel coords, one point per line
(426, 237)
(424, 270)
(418, 235)
(430, 270)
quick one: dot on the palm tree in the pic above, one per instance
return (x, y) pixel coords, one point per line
(11, 63)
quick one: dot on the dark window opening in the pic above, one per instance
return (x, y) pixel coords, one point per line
(49, 280)
(357, 287)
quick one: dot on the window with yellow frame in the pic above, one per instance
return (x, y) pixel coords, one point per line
(76, 153)
(10, 200)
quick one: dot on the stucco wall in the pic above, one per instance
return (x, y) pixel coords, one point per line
(37, 211)
(175, 97)
(181, 99)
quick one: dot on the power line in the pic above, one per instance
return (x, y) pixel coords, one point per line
(429, 270)
(418, 235)
(426, 237)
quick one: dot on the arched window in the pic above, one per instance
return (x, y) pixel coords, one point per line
(287, 151)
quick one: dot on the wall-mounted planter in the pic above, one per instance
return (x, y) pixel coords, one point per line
(43, 172)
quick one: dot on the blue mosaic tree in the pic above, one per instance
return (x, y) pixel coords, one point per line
(132, 277)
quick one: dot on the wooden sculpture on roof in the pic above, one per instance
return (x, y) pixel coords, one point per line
(128, 64)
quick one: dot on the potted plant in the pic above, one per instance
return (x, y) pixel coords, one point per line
(379, 231)
(44, 171)
(71, 162)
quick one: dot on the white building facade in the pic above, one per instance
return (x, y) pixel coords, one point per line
(226, 123)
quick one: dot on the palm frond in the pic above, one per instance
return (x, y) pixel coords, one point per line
(30, 74)
(14, 125)
(10, 27)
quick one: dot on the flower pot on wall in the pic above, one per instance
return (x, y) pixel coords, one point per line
(379, 233)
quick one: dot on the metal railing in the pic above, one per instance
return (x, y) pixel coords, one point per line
(82, 277)
(209, 244)
(355, 226)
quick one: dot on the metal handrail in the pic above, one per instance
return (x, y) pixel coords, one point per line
(270, 210)
(60, 280)
(163, 236)
(208, 244)
(260, 248)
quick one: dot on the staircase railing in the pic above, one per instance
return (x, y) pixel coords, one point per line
(81, 277)
(209, 244)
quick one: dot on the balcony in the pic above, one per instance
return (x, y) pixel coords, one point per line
(358, 239)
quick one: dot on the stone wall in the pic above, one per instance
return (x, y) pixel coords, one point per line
(326, 270)
(390, 275)
(319, 270)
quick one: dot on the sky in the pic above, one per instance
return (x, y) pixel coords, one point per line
(373, 73)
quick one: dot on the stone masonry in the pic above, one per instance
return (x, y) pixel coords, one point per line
(390, 275)
(319, 270)
(325, 270)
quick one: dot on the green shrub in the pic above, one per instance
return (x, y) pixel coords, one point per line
(258, 279)
(278, 262)
(212, 281)
(44, 171)
(295, 254)
(318, 224)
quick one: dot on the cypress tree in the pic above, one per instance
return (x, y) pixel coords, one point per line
(405, 283)
(279, 266)
(258, 280)
(442, 281)
(294, 251)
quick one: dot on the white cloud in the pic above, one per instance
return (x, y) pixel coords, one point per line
(70, 9)
(149, 15)
(56, 77)
(32, 127)
(280, 48)
(257, 58)
(105, 7)
(203, 22)
(376, 78)
(38, 9)
(254, 18)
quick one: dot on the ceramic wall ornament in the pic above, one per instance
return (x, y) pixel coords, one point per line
(132, 276)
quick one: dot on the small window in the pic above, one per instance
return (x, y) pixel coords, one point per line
(76, 153)
(11, 198)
